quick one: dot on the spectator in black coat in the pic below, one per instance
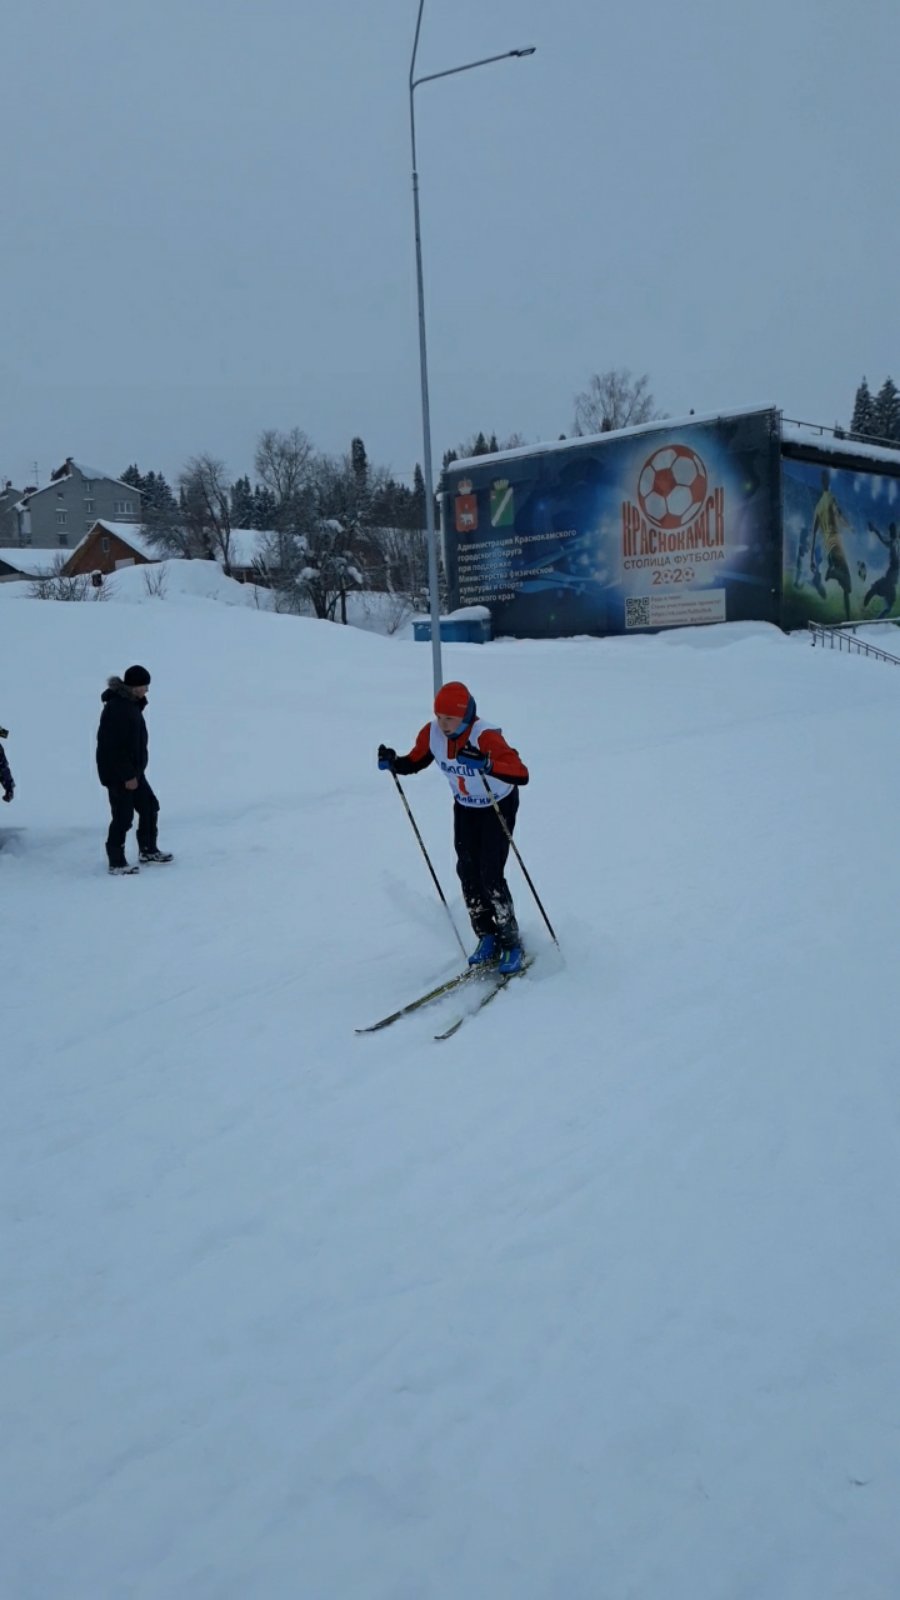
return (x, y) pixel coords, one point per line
(121, 764)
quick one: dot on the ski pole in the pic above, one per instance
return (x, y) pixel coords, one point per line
(427, 859)
(502, 821)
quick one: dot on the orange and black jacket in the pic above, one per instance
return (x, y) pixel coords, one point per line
(506, 764)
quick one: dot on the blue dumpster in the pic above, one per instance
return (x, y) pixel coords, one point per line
(455, 630)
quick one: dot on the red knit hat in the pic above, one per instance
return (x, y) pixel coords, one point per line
(454, 700)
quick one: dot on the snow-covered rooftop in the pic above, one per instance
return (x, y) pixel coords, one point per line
(805, 433)
(469, 463)
(796, 433)
(93, 474)
(246, 546)
(97, 472)
(28, 561)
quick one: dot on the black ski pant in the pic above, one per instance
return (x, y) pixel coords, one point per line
(481, 851)
(123, 803)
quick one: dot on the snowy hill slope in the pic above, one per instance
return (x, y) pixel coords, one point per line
(597, 1299)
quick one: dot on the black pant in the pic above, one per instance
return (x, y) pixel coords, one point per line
(481, 851)
(123, 803)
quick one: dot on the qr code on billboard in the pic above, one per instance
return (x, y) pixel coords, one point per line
(637, 613)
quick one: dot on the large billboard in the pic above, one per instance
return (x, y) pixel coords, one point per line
(841, 542)
(659, 528)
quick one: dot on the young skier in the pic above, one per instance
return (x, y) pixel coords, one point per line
(121, 765)
(475, 758)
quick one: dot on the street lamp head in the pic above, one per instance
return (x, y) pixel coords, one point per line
(528, 52)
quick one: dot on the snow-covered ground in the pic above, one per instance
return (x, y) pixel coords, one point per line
(599, 1300)
(175, 582)
(185, 582)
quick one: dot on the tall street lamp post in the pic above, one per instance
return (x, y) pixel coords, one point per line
(414, 84)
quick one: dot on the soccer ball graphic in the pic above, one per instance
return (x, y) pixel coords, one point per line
(672, 486)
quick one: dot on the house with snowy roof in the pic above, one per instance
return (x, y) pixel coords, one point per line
(59, 515)
(109, 546)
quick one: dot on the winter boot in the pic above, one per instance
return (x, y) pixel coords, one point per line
(123, 871)
(512, 960)
(155, 858)
(485, 950)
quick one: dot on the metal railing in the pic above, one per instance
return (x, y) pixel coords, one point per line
(840, 637)
(841, 435)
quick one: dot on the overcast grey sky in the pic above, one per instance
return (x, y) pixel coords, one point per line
(207, 223)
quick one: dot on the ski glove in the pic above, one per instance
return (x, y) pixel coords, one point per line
(472, 760)
(386, 758)
(9, 792)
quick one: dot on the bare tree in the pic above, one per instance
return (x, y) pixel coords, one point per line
(55, 585)
(310, 572)
(385, 613)
(156, 581)
(614, 399)
(284, 463)
(168, 534)
(397, 564)
(206, 507)
(325, 541)
(277, 566)
(330, 571)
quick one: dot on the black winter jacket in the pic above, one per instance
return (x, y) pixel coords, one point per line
(121, 736)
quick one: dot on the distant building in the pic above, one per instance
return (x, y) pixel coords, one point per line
(246, 554)
(107, 546)
(9, 523)
(58, 516)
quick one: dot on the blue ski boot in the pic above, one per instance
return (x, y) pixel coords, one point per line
(512, 960)
(485, 950)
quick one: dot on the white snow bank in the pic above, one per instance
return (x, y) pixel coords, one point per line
(599, 1298)
(180, 582)
(183, 582)
(192, 582)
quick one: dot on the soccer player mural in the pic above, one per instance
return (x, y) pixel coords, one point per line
(663, 526)
(841, 546)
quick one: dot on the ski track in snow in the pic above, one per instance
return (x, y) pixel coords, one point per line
(596, 1300)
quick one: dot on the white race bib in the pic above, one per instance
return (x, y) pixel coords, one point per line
(468, 787)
